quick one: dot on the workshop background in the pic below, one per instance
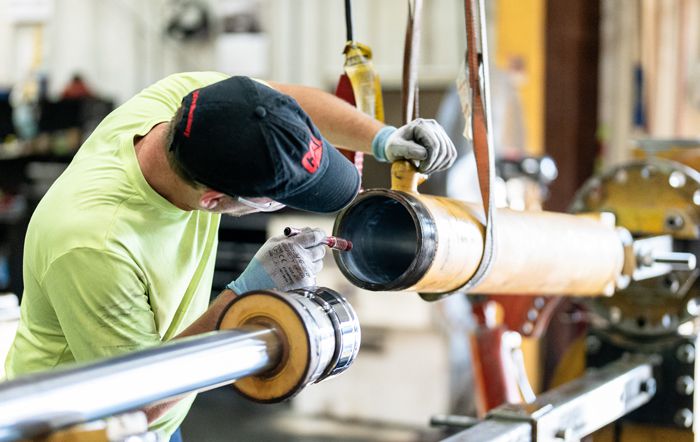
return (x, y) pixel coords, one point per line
(574, 81)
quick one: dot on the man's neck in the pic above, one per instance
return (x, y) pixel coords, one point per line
(152, 159)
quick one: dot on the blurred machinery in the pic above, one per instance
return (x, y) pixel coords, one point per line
(641, 343)
(629, 246)
(657, 315)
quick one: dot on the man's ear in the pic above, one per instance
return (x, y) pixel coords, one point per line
(210, 199)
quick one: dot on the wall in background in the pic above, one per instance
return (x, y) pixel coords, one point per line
(520, 50)
(650, 74)
(117, 45)
(120, 46)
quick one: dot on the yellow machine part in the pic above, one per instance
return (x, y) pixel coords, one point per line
(633, 194)
(690, 156)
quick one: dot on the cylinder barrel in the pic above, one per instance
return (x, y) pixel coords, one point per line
(408, 241)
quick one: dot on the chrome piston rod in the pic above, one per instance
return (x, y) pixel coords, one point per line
(37, 404)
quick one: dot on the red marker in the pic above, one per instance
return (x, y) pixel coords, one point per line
(333, 242)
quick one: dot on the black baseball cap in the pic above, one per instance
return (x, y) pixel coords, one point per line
(243, 138)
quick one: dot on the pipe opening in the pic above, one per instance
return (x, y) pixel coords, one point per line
(385, 238)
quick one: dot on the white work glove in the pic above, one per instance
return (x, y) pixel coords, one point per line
(284, 263)
(422, 140)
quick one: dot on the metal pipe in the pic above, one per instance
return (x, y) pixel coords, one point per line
(36, 404)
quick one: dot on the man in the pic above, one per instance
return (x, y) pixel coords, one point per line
(120, 253)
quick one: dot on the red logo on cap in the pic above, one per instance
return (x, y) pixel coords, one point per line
(190, 114)
(312, 159)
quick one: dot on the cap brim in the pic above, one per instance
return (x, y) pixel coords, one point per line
(330, 192)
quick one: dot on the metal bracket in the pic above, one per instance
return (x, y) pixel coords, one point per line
(655, 257)
(575, 409)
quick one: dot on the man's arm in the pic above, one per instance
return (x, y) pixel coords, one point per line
(340, 122)
(303, 255)
(424, 141)
(207, 322)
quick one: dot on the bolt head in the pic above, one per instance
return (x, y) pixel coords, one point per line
(686, 353)
(648, 386)
(685, 385)
(532, 314)
(683, 418)
(593, 344)
(674, 222)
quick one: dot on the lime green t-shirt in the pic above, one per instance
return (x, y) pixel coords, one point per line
(110, 266)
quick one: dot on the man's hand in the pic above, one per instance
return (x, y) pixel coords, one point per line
(284, 263)
(422, 140)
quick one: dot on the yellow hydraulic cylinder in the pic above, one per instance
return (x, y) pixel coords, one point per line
(403, 240)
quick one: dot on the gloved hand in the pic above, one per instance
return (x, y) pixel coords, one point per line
(284, 263)
(423, 140)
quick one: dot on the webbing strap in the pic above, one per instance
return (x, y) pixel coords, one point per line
(480, 117)
(409, 83)
(477, 69)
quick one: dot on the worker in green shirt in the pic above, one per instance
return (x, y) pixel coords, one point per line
(120, 252)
